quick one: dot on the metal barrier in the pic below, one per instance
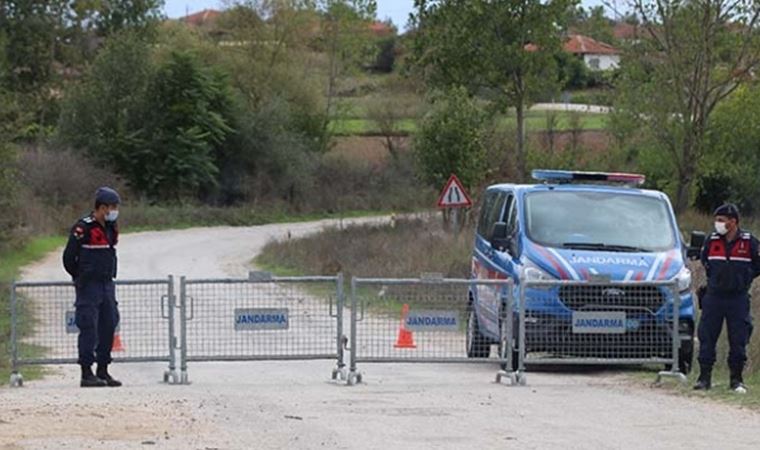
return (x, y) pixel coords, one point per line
(43, 328)
(605, 323)
(427, 320)
(262, 318)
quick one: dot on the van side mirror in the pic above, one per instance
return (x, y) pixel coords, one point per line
(499, 239)
(695, 246)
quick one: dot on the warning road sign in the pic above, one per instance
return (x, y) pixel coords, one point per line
(454, 195)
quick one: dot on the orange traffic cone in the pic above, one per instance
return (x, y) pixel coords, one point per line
(117, 345)
(405, 338)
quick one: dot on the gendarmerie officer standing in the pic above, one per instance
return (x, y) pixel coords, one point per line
(90, 259)
(732, 262)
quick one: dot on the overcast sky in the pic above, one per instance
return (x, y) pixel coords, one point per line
(396, 10)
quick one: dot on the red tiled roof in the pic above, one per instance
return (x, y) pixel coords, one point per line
(625, 31)
(582, 45)
(380, 28)
(202, 17)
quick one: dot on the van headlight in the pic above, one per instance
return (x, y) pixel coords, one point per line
(531, 272)
(684, 280)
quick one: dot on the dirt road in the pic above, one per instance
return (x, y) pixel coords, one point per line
(292, 404)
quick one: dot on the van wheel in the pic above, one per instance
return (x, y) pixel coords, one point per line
(477, 345)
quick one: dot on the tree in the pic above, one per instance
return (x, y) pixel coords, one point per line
(501, 50)
(695, 53)
(388, 114)
(346, 39)
(593, 23)
(8, 200)
(728, 171)
(452, 139)
(28, 31)
(162, 128)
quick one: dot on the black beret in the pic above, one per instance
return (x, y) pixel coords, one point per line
(107, 196)
(728, 210)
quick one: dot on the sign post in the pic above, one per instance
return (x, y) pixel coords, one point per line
(453, 198)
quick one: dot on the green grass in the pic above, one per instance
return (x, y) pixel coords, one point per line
(536, 121)
(10, 263)
(354, 127)
(719, 392)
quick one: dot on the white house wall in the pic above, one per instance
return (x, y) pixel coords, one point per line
(601, 62)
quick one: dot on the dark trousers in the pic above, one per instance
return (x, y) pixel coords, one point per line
(97, 315)
(734, 310)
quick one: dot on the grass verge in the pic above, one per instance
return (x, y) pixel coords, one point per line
(720, 391)
(10, 263)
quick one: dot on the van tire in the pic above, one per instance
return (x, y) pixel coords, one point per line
(477, 345)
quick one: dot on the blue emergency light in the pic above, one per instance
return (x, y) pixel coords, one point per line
(567, 176)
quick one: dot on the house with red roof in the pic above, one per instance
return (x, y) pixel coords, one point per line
(597, 55)
(206, 17)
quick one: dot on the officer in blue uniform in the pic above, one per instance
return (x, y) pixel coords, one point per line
(732, 262)
(90, 259)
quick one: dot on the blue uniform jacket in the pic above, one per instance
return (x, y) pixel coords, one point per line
(90, 253)
(731, 266)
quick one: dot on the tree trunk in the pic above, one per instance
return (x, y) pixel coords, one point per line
(521, 166)
(685, 178)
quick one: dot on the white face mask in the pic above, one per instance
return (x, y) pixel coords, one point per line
(721, 228)
(112, 215)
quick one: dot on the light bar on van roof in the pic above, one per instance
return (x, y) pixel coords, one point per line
(566, 176)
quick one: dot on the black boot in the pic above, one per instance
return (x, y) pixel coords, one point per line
(90, 380)
(704, 382)
(103, 374)
(737, 381)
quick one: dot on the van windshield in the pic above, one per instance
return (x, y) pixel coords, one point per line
(599, 221)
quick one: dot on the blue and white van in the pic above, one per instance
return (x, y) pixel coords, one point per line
(579, 226)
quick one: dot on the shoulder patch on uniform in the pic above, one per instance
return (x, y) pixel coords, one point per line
(78, 232)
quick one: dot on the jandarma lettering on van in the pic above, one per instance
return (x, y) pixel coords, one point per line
(609, 260)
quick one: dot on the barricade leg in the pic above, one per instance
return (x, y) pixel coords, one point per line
(171, 376)
(340, 373)
(675, 370)
(16, 379)
(354, 377)
(506, 348)
(183, 331)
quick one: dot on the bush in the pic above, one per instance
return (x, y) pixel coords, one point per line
(413, 247)
(386, 55)
(8, 199)
(728, 171)
(63, 181)
(452, 139)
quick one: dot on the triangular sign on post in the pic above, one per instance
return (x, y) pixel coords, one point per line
(454, 195)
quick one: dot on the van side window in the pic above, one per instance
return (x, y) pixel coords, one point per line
(491, 212)
(511, 219)
(505, 214)
(484, 209)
